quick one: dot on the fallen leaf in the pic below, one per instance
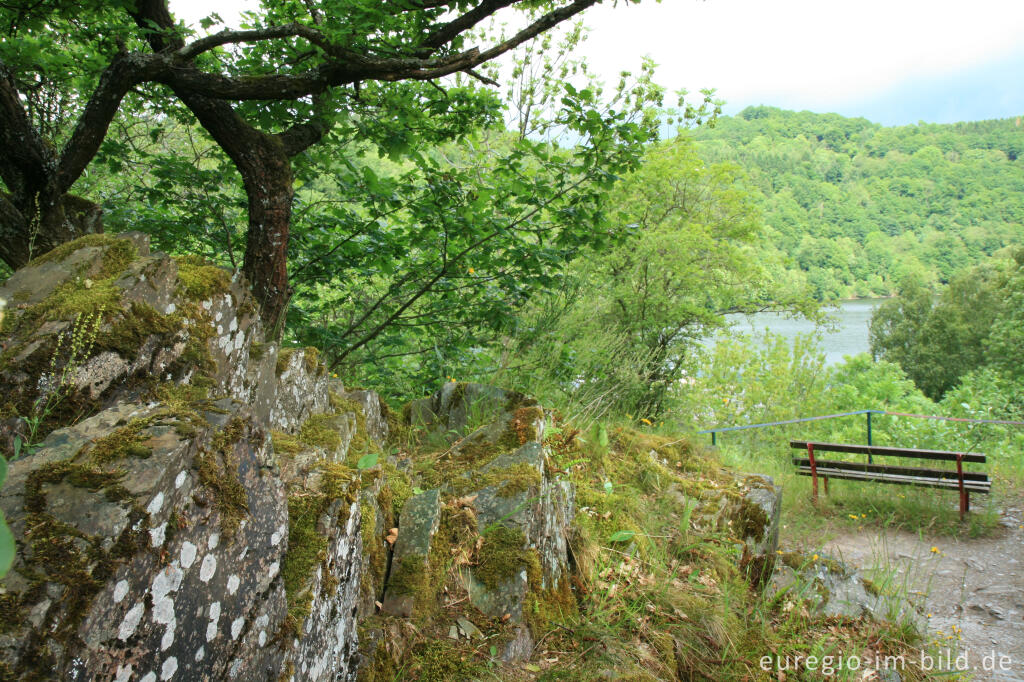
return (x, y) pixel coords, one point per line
(392, 536)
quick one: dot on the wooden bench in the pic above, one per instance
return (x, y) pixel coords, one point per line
(950, 479)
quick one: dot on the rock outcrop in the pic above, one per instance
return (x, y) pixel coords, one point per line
(193, 502)
(162, 536)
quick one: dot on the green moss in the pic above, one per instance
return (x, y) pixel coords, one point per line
(218, 470)
(307, 547)
(199, 280)
(118, 253)
(439, 661)
(127, 441)
(408, 575)
(319, 431)
(257, 351)
(501, 556)
(311, 359)
(285, 443)
(510, 481)
(398, 486)
(546, 607)
(752, 522)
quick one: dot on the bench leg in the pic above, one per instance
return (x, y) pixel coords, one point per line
(964, 494)
(814, 475)
(826, 485)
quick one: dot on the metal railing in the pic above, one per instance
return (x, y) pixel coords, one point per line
(715, 431)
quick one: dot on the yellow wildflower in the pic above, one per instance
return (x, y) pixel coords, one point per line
(645, 421)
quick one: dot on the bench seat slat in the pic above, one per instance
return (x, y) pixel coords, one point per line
(889, 469)
(970, 486)
(913, 453)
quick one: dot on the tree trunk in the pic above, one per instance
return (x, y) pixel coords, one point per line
(267, 176)
(40, 222)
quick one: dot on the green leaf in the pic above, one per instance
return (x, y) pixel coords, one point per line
(368, 460)
(622, 536)
(7, 546)
(608, 487)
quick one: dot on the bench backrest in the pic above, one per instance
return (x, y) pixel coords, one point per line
(912, 453)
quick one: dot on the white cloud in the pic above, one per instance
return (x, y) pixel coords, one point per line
(814, 54)
(809, 52)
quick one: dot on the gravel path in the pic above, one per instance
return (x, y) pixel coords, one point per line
(973, 588)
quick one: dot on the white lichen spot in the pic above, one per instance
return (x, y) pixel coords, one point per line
(150, 677)
(120, 591)
(236, 627)
(215, 611)
(263, 638)
(171, 307)
(156, 504)
(211, 631)
(130, 622)
(168, 669)
(211, 543)
(180, 479)
(124, 673)
(275, 568)
(163, 610)
(166, 581)
(156, 535)
(200, 653)
(208, 568)
(168, 638)
(275, 538)
(235, 665)
(233, 583)
(188, 554)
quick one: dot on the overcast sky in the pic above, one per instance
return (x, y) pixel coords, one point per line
(892, 61)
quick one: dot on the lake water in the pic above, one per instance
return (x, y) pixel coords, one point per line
(849, 335)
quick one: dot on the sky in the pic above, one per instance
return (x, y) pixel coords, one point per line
(892, 61)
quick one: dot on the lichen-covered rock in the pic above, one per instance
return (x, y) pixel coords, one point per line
(374, 413)
(829, 587)
(300, 390)
(421, 516)
(161, 536)
(158, 556)
(457, 406)
(509, 513)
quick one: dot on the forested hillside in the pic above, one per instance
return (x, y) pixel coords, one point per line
(857, 206)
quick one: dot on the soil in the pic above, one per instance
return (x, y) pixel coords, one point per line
(973, 588)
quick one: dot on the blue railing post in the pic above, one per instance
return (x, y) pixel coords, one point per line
(869, 436)
(713, 437)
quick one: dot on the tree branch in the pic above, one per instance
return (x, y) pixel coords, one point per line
(345, 67)
(125, 72)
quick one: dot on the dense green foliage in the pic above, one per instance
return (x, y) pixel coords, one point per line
(858, 207)
(622, 331)
(972, 323)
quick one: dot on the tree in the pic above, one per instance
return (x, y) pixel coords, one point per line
(639, 308)
(265, 93)
(937, 340)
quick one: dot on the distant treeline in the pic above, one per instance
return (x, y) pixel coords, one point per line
(856, 207)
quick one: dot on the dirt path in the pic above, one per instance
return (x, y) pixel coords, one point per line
(974, 587)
